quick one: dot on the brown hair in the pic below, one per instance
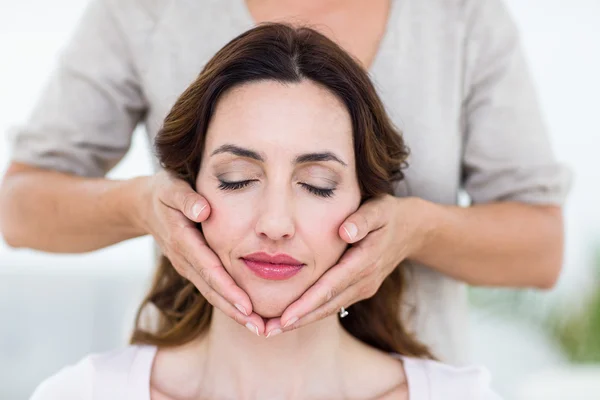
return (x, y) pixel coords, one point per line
(289, 55)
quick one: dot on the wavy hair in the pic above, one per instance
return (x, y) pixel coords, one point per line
(285, 54)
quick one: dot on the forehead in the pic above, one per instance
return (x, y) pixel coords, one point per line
(294, 116)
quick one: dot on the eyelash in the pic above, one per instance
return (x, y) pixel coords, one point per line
(234, 185)
(223, 185)
(317, 191)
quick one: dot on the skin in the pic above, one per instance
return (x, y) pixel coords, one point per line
(318, 361)
(276, 213)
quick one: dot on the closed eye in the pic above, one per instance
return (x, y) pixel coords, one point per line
(224, 185)
(321, 192)
(317, 191)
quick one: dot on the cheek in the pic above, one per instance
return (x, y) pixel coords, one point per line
(320, 226)
(229, 222)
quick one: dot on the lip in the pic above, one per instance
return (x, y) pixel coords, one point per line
(273, 267)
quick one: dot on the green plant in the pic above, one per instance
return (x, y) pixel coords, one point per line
(574, 327)
(578, 333)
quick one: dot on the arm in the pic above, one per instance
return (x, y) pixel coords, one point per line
(54, 196)
(57, 212)
(54, 211)
(504, 244)
(512, 235)
(498, 244)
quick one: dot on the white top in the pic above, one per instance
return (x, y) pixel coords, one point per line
(125, 374)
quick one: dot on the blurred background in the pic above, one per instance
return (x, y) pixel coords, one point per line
(54, 309)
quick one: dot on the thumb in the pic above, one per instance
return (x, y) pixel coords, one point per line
(358, 225)
(199, 211)
(195, 206)
(349, 231)
(182, 197)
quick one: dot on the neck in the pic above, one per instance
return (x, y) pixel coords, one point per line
(306, 362)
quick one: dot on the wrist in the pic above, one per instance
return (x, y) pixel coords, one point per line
(425, 217)
(134, 203)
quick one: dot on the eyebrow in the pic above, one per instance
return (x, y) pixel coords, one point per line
(300, 159)
(238, 151)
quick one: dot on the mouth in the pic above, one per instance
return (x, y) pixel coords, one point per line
(272, 267)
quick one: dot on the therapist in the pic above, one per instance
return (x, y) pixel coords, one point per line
(453, 78)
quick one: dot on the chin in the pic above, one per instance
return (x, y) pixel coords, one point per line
(268, 310)
(271, 302)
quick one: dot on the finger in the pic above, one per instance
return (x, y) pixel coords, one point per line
(273, 327)
(208, 266)
(369, 217)
(179, 195)
(346, 299)
(253, 321)
(336, 280)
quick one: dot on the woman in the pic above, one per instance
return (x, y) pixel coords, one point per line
(450, 73)
(284, 133)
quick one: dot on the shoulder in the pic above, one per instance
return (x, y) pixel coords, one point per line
(449, 382)
(70, 383)
(105, 372)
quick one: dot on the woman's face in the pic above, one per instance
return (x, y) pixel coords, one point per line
(278, 170)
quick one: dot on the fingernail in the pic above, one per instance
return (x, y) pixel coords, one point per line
(351, 230)
(252, 328)
(290, 322)
(197, 209)
(274, 332)
(241, 309)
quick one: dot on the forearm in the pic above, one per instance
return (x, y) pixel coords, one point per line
(499, 244)
(57, 212)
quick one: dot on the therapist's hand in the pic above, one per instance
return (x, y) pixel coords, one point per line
(383, 232)
(170, 211)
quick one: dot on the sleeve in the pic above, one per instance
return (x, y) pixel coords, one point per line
(84, 120)
(507, 151)
(70, 383)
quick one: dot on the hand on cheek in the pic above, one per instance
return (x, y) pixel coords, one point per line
(383, 232)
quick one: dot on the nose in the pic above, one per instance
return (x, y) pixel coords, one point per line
(276, 220)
